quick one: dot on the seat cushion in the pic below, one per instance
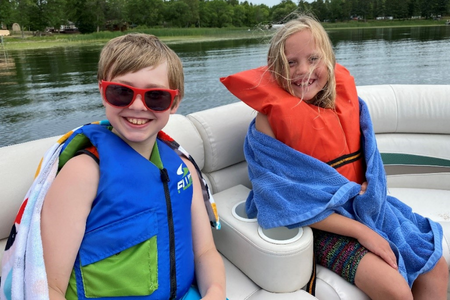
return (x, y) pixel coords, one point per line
(331, 286)
(431, 203)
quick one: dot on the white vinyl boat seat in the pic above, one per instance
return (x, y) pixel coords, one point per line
(412, 126)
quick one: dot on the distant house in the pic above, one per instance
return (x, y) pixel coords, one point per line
(277, 26)
(69, 28)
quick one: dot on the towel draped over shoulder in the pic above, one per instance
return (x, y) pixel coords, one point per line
(23, 270)
(293, 189)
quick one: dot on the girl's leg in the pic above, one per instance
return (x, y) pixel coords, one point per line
(433, 284)
(380, 281)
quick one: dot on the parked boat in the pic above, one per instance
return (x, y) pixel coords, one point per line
(412, 126)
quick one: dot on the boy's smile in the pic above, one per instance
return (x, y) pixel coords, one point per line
(137, 121)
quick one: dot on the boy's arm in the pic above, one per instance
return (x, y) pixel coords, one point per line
(375, 243)
(209, 267)
(63, 219)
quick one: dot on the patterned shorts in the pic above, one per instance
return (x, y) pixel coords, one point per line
(338, 253)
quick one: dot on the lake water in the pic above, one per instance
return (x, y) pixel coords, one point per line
(49, 92)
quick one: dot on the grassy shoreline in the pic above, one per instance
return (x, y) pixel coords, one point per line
(188, 35)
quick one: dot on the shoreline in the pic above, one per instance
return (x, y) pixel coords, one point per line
(16, 44)
(29, 42)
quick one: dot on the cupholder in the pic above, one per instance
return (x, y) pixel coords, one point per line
(280, 235)
(240, 213)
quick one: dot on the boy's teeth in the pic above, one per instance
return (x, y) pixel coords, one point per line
(137, 121)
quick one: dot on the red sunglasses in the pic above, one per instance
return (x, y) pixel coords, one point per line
(122, 95)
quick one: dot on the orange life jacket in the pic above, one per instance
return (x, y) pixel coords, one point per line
(330, 135)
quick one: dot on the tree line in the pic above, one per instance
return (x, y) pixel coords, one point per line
(96, 15)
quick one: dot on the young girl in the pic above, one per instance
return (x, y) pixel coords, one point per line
(115, 222)
(327, 173)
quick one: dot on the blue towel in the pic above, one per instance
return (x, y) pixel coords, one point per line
(293, 189)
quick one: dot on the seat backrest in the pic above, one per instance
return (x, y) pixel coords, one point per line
(223, 130)
(412, 127)
(18, 165)
(408, 108)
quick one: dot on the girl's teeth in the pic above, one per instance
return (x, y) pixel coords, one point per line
(305, 83)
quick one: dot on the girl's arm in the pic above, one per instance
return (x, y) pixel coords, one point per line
(63, 219)
(263, 125)
(339, 224)
(209, 267)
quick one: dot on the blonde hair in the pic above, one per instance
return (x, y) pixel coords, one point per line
(135, 51)
(279, 66)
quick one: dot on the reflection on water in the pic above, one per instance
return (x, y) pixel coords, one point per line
(48, 92)
(413, 55)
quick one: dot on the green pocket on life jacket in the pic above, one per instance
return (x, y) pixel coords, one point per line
(119, 259)
(132, 272)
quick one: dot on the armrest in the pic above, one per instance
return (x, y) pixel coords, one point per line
(278, 260)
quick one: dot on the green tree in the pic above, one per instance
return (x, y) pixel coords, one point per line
(319, 10)
(36, 12)
(441, 7)
(194, 13)
(378, 8)
(220, 12)
(336, 11)
(249, 11)
(205, 14)
(20, 14)
(283, 12)
(145, 12)
(362, 8)
(83, 14)
(233, 2)
(5, 13)
(54, 13)
(397, 8)
(304, 6)
(177, 13)
(114, 14)
(261, 14)
(239, 16)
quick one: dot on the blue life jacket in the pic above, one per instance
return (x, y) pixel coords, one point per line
(138, 238)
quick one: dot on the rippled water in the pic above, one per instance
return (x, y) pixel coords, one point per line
(48, 92)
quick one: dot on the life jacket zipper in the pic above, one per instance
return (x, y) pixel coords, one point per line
(173, 271)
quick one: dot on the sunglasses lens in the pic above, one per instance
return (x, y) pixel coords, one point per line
(158, 100)
(119, 95)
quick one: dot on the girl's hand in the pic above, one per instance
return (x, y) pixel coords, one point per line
(376, 244)
(363, 188)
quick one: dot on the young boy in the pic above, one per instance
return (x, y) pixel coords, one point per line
(115, 224)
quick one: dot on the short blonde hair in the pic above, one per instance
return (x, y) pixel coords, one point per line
(135, 51)
(279, 65)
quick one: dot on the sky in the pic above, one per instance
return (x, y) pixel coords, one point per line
(270, 3)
